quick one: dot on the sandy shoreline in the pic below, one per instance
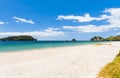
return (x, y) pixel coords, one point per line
(64, 62)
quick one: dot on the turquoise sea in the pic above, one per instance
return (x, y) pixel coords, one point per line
(8, 46)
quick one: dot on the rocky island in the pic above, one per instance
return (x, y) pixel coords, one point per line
(97, 38)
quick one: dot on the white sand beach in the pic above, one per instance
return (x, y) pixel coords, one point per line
(63, 62)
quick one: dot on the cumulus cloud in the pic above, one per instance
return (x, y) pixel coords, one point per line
(111, 15)
(23, 20)
(114, 17)
(47, 32)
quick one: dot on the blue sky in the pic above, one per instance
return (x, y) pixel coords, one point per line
(60, 19)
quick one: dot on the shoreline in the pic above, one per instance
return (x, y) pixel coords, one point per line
(83, 61)
(53, 47)
(26, 49)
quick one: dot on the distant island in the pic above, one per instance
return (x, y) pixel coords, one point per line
(97, 38)
(18, 38)
(74, 40)
(111, 38)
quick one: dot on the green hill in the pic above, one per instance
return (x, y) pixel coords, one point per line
(18, 38)
(111, 38)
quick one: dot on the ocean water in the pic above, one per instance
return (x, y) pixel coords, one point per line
(8, 46)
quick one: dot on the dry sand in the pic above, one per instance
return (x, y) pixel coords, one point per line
(63, 62)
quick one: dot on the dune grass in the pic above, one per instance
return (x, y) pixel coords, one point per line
(111, 70)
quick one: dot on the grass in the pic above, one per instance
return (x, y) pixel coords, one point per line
(111, 70)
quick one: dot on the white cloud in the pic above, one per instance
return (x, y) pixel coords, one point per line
(89, 28)
(52, 29)
(118, 33)
(1, 22)
(114, 17)
(85, 18)
(47, 32)
(111, 15)
(23, 20)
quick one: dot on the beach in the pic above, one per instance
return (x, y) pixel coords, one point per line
(81, 61)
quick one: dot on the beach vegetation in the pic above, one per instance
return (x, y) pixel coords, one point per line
(111, 70)
(113, 38)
